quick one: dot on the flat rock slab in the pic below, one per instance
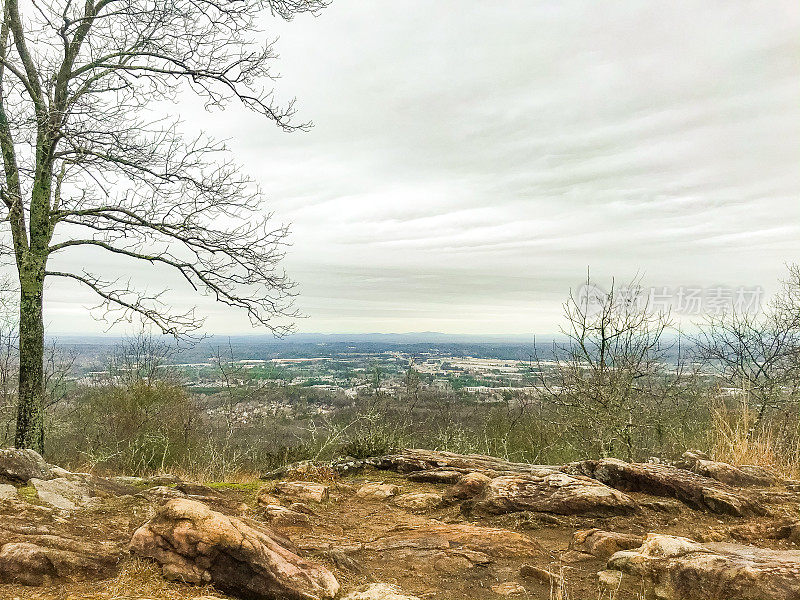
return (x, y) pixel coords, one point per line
(55, 560)
(195, 544)
(696, 491)
(674, 568)
(474, 542)
(412, 460)
(742, 476)
(557, 493)
(22, 465)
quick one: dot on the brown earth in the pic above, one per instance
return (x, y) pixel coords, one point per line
(434, 550)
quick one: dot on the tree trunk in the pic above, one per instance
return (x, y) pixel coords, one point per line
(30, 409)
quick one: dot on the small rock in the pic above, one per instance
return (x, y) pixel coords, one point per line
(196, 489)
(164, 479)
(538, 574)
(22, 465)
(436, 476)
(452, 565)
(128, 480)
(609, 580)
(468, 486)
(510, 588)
(302, 508)
(280, 516)
(604, 543)
(266, 499)
(418, 501)
(343, 561)
(379, 591)
(304, 491)
(7, 491)
(162, 493)
(377, 491)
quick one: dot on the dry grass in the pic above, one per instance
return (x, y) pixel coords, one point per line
(736, 440)
(137, 580)
(142, 579)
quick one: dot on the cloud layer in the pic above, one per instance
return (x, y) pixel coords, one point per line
(470, 160)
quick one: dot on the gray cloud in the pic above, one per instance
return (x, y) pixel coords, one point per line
(470, 160)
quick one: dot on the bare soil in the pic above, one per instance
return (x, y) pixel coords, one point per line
(343, 525)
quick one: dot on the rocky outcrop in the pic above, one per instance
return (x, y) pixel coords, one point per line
(557, 493)
(742, 476)
(696, 491)
(603, 543)
(192, 543)
(674, 568)
(19, 466)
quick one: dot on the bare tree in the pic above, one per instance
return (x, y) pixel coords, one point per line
(87, 165)
(143, 358)
(611, 371)
(758, 352)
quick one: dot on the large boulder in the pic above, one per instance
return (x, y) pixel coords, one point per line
(22, 465)
(195, 544)
(696, 491)
(557, 493)
(674, 568)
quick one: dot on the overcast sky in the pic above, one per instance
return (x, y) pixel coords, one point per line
(470, 159)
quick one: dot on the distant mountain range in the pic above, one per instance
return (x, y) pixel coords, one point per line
(422, 337)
